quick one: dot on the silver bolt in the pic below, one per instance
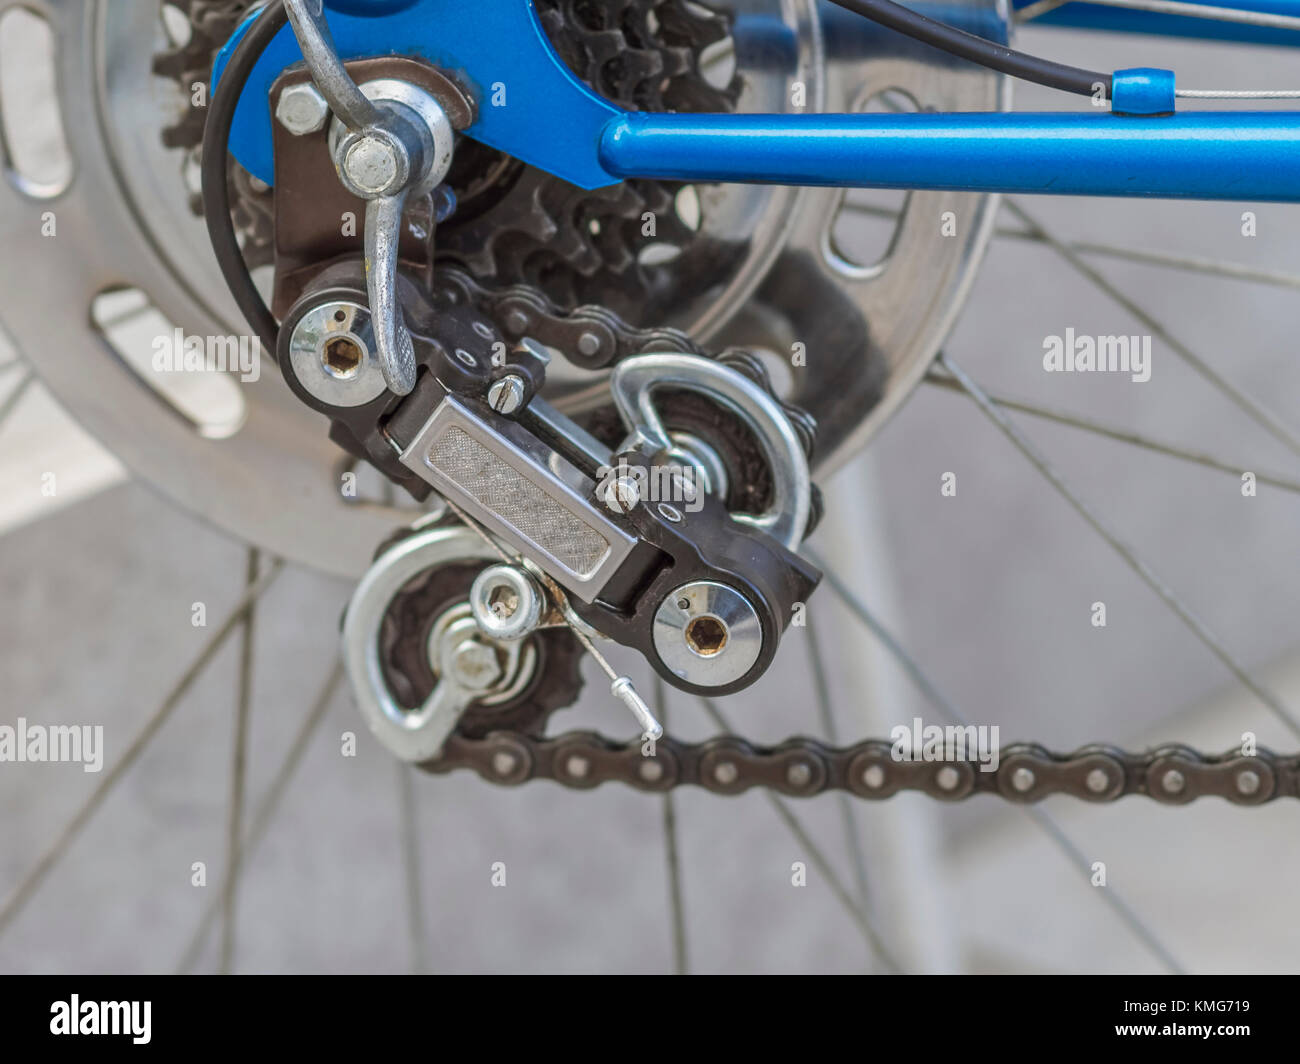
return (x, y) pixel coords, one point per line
(503, 763)
(302, 109)
(1173, 781)
(1098, 780)
(726, 773)
(799, 774)
(375, 162)
(874, 777)
(622, 494)
(1248, 781)
(507, 395)
(578, 766)
(1023, 779)
(475, 665)
(947, 778)
(506, 602)
(651, 770)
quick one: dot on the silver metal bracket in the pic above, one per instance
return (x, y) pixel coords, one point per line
(522, 491)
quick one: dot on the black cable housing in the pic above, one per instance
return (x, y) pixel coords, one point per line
(978, 50)
(216, 190)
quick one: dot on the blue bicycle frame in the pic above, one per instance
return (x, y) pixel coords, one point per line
(531, 106)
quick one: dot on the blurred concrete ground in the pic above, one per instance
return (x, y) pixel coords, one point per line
(990, 591)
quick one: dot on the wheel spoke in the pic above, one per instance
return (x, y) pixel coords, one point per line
(1144, 571)
(267, 807)
(411, 867)
(1111, 896)
(815, 854)
(23, 892)
(238, 773)
(1032, 11)
(15, 396)
(1199, 11)
(672, 854)
(825, 712)
(1266, 420)
(1234, 271)
(1114, 432)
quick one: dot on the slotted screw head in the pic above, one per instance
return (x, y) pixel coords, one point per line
(507, 395)
(622, 494)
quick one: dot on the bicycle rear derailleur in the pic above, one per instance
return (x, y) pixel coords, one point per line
(634, 541)
(619, 530)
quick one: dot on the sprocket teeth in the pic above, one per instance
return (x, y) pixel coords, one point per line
(640, 54)
(578, 247)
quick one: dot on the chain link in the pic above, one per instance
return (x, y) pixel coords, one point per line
(801, 768)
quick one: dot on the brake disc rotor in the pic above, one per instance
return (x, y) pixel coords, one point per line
(124, 221)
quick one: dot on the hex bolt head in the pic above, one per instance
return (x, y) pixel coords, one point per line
(507, 395)
(302, 110)
(375, 163)
(476, 665)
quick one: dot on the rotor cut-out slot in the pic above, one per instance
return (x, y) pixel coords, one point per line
(33, 145)
(866, 222)
(197, 377)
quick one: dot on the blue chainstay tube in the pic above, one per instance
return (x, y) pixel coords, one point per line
(1198, 155)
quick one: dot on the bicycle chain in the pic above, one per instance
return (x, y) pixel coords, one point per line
(1026, 772)
(594, 337)
(802, 768)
